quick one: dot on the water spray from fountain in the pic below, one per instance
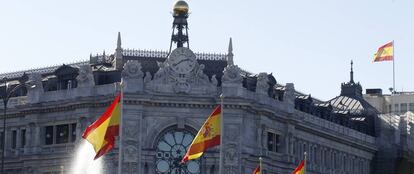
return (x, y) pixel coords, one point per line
(83, 162)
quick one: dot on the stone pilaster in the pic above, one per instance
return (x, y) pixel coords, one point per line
(130, 140)
(35, 89)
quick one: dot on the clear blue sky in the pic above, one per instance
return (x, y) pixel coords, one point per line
(309, 43)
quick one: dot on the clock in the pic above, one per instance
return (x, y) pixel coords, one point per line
(182, 60)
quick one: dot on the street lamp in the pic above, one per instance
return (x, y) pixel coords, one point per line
(8, 92)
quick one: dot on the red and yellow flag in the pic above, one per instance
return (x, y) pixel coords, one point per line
(301, 168)
(257, 170)
(385, 53)
(101, 134)
(207, 137)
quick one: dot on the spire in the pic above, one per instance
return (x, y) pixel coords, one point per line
(118, 43)
(118, 53)
(230, 53)
(352, 72)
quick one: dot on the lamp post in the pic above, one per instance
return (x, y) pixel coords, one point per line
(6, 96)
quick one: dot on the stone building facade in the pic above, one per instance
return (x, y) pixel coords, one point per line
(167, 97)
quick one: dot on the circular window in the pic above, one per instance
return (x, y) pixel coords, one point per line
(171, 148)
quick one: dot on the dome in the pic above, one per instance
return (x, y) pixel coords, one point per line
(180, 7)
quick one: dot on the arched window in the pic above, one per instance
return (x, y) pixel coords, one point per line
(171, 147)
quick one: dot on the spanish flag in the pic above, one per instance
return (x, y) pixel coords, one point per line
(257, 170)
(385, 53)
(101, 134)
(301, 168)
(207, 137)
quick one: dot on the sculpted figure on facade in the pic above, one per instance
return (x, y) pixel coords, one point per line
(35, 89)
(214, 80)
(289, 95)
(202, 78)
(262, 86)
(85, 77)
(231, 75)
(161, 74)
(132, 76)
(147, 77)
(132, 70)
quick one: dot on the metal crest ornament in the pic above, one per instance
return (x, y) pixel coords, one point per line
(182, 60)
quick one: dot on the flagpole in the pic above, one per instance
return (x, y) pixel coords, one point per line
(221, 167)
(260, 164)
(393, 66)
(120, 154)
(305, 154)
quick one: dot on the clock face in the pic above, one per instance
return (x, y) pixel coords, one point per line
(182, 60)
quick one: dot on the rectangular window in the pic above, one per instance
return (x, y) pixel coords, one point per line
(389, 109)
(411, 107)
(22, 138)
(14, 139)
(273, 142)
(270, 141)
(404, 107)
(62, 134)
(396, 108)
(73, 134)
(48, 135)
(1, 140)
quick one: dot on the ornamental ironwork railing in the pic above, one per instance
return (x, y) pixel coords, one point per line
(164, 54)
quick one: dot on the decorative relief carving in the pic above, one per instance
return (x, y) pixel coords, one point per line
(131, 130)
(262, 86)
(130, 153)
(231, 170)
(85, 77)
(231, 157)
(232, 133)
(132, 69)
(129, 168)
(181, 73)
(232, 75)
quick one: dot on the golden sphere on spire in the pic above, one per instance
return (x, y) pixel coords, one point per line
(180, 7)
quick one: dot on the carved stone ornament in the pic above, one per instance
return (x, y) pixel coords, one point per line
(130, 154)
(289, 95)
(147, 77)
(181, 73)
(232, 133)
(35, 80)
(232, 75)
(131, 130)
(231, 157)
(262, 85)
(132, 69)
(85, 77)
(214, 80)
(35, 91)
